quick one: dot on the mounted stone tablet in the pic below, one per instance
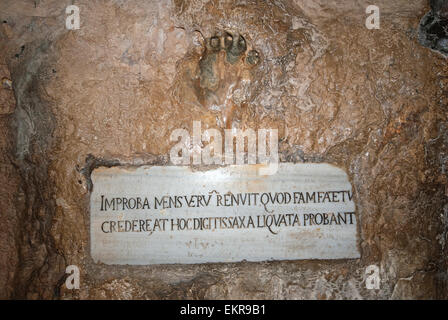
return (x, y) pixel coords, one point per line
(171, 214)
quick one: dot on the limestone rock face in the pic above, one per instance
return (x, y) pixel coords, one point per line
(372, 102)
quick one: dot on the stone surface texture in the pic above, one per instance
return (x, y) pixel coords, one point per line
(372, 102)
(179, 223)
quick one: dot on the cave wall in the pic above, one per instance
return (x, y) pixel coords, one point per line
(372, 102)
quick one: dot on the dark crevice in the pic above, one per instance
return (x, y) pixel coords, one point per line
(433, 28)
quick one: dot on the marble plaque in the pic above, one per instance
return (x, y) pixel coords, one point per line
(174, 214)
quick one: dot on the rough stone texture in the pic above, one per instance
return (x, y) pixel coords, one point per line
(371, 101)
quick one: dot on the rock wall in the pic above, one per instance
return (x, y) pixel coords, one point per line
(372, 102)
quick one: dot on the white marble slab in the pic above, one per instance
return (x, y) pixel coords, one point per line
(171, 214)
